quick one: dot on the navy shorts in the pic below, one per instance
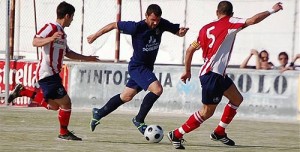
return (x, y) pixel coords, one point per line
(52, 87)
(140, 77)
(213, 87)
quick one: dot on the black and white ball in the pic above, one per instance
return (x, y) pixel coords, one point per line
(154, 133)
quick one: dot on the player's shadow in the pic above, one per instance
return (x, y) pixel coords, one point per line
(122, 142)
(248, 146)
(236, 147)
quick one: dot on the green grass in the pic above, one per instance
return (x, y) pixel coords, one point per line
(36, 129)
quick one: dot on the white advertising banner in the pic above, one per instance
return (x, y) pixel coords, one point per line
(267, 93)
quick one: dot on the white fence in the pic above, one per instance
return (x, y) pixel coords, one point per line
(279, 32)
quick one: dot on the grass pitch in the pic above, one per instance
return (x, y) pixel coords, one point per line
(36, 129)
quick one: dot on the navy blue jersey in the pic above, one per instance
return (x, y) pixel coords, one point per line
(145, 41)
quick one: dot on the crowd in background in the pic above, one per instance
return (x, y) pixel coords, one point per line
(262, 61)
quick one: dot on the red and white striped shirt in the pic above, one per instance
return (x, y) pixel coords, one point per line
(216, 40)
(53, 53)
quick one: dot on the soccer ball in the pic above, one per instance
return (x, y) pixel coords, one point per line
(154, 133)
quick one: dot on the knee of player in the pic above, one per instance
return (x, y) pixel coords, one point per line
(53, 108)
(66, 105)
(126, 98)
(206, 115)
(158, 91)
(240, 99)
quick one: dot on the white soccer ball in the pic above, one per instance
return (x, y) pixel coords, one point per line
(154, 133)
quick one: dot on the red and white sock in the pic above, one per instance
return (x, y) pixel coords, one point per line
(191, 124)
(228, 114)
(64, 118)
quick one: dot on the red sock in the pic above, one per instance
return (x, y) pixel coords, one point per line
(39, 98)
(64, 118)
(228, 114)
(27, 92)
(191, 124)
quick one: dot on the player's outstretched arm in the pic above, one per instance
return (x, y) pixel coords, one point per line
(102, 31)
(261, 16)
(182, 31)
(73, 55)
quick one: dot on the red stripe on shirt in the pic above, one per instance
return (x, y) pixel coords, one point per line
(60, 57)
(42, 29)
(54, 27)
(38, 70)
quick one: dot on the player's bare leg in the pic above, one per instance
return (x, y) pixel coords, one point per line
(235, 99)
(64, 114)
(193, 122)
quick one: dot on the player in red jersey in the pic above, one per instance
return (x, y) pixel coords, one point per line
(53, 96)
(216, 40)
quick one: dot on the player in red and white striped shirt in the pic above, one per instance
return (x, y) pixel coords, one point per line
(53, 39)
(53, 52)
(216, 40)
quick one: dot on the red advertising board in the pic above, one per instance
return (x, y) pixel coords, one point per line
(23, 72)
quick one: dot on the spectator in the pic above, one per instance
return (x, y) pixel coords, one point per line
(283, 59)
(294, 60)
(261, 62)
(292, 64)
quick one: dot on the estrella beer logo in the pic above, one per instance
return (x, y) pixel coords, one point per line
(20, 72)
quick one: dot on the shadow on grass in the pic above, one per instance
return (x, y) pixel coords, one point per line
(236, 147)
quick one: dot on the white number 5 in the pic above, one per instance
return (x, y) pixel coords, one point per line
(210, 36)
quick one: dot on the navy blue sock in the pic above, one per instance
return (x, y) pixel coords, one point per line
(112, 104)
(146, 106)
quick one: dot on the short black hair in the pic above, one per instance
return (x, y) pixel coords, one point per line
(63, 9)
(283, 53)
(225, 8)
(154, 8)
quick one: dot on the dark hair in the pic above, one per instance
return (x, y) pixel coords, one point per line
(283, 53)
(63, 9)
(263, 52)
(225, 8)
(154, 8)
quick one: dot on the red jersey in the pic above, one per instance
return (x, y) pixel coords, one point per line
(53, 53)
(216, 40)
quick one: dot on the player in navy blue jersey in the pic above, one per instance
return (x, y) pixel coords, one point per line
(146, 38)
